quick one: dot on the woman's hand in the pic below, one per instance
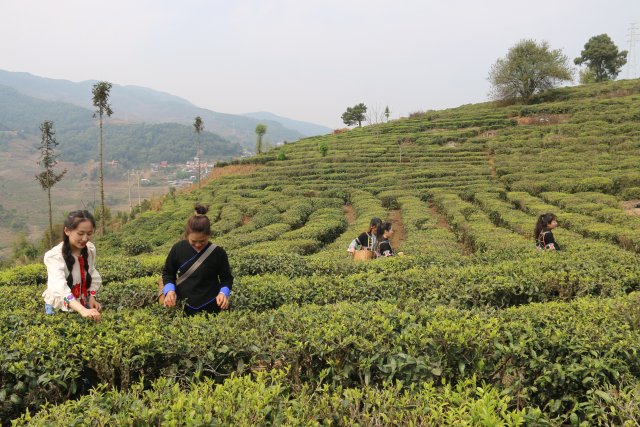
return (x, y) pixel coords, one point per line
(222, 301)
(170, 299)
(93, 303)
(91, 313)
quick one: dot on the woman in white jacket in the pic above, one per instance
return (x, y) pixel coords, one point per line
(72, 278)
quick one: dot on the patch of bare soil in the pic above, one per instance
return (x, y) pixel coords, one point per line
(349, 214)
(245, 219)
(616, 94)
(544, 119)
(630, 207)
(399, 231)
(442, 222)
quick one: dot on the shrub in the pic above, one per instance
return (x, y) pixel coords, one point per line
(389, 202)
(136, 246)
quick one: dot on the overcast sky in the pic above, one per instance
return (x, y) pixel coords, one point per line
(303, 59)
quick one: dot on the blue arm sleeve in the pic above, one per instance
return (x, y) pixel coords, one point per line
(225, 290)
(168, 288)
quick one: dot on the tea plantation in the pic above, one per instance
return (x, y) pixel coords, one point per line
(472, 326)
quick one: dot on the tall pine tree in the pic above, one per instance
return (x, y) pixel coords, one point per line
(101, 92)
(48, 159)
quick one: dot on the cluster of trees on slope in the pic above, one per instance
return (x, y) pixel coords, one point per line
(358, 114)
(530, 67)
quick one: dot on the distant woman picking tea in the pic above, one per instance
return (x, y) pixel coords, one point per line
(72, 278)
(367, 239)
(196, 270)
(385, 231)
(543, 232)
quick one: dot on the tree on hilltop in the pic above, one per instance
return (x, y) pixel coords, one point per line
(48, 159)
(101, 92)
(529, 68)
(198, 124)
(355, 114)
(260, 131)
(602, 59)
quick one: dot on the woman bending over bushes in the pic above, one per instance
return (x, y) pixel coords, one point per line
(543, 232)
(72, 278)
(384, 234)
(368, 239)
(196, 270)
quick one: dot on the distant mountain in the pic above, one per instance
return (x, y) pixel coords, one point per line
(140, 104)
(133, 145)
(305, 128)
(19, 112)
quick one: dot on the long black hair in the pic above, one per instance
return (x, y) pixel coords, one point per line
(385, 226)
(543, 222)
(71, 223)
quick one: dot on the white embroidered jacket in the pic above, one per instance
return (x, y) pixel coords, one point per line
(57, 272)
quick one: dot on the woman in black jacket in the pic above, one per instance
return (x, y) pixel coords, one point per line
(543, 232)
(206, 288)
(384, 246)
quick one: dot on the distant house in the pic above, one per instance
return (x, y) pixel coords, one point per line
(164, 164)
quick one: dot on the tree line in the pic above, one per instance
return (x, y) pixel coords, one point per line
(532, 67)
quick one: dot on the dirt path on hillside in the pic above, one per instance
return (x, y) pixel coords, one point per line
(492, 163)
(349, 214)
(442, 221)
(630, 207)
(399, 231)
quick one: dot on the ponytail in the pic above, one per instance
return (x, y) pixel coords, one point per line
(543, 222)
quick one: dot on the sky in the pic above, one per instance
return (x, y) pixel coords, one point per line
(303, 59)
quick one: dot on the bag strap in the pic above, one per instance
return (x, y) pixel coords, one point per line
(541, 239)
(196, 264)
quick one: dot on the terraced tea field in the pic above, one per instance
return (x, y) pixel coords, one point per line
(472, 326)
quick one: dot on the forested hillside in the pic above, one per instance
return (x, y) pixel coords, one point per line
(136, 104)
(472, 326)
(132, 145)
